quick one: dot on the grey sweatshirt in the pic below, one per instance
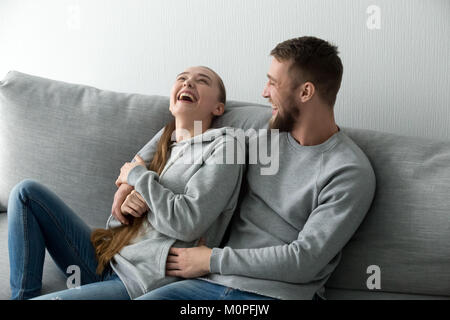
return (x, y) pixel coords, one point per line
(287, 235)
(195, 196)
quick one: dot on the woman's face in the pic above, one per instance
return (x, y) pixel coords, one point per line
(195, 95)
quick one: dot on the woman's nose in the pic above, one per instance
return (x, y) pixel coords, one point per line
(188, 83)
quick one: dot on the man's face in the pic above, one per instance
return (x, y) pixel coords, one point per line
(279, 90)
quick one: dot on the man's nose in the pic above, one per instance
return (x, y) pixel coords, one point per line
(265, 92)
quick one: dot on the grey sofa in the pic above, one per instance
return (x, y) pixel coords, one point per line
(74, 139)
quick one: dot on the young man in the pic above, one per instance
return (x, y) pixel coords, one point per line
(287, 235)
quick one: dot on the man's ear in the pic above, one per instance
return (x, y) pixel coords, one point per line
(219, 109)
(307, 91)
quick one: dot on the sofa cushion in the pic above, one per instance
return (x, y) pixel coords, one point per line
(407, 230)
(72, 138)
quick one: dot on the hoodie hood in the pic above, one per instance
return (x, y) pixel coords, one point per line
(194, 150)
(209, 135)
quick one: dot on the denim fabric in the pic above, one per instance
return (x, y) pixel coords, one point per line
(195, 289)
(37, 220)
(111, 288)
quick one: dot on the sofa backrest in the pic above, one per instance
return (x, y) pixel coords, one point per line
(74, 139)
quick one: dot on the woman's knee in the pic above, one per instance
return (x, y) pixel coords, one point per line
(25, 189)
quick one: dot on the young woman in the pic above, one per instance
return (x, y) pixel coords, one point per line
(187, 192)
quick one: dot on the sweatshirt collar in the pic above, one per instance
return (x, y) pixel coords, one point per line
(327, 144)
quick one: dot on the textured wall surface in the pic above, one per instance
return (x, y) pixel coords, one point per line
(396, 78)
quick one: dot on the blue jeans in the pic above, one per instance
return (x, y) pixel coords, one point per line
(39, 219)
(111, 288)
(195, 289)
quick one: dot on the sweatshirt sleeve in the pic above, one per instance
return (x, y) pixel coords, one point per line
(207, 194)
(342, 204)
(147, 152)
(149, 149)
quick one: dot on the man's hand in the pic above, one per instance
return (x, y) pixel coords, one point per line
(134, 205)
(189, 262)
(126, 168)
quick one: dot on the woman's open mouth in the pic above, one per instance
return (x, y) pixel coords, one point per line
(187, 97)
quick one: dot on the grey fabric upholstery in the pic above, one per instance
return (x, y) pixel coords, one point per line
(345, 294)
(407, 231)
(74, 139)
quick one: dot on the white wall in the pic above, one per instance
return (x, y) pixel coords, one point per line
(396, 78)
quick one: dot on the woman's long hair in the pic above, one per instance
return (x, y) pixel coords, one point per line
(108, 242)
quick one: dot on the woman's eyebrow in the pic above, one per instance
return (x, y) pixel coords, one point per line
(200, 75)
(204, 75)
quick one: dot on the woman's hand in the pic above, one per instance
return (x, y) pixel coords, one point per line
(126, 168)
(119, 198)
(189, 262)
(134, 205)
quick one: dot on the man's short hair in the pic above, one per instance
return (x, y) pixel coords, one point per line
(314, 60)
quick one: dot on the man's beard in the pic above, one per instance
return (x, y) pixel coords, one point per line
(286, 117)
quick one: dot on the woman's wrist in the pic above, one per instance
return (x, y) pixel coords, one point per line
(124, 189)
(135, 173)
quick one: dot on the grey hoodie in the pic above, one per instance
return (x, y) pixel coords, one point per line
(194, 197)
